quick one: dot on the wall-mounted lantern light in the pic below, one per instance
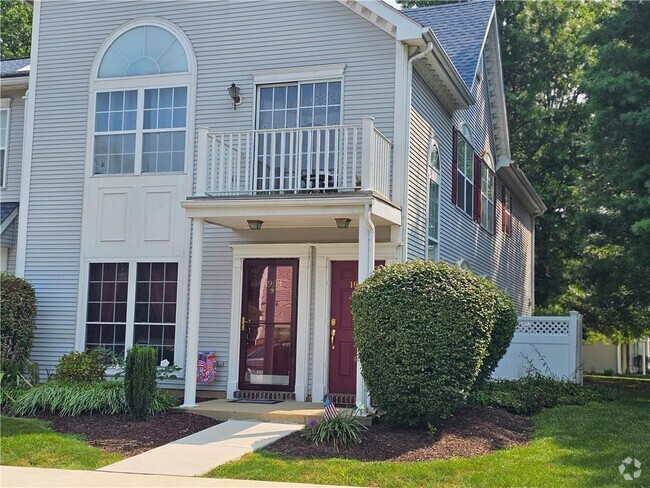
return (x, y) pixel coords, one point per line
(343, 223)
(255, 224)
(233, 91)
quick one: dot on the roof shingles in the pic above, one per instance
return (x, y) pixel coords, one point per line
(460, 28)
(14, 67)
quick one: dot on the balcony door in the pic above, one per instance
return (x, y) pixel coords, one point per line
(268, 324)
(297, 145)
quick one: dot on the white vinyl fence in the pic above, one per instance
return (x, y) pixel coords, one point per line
(548, 345)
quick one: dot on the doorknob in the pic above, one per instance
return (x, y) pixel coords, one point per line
(332, 337)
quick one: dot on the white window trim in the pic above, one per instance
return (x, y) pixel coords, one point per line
(179, 355)
(489, 198)
(5, 104)
(187, 79)
(288, 75)
(507, 211)
(434, 176)
(461, 205)
(139, 131)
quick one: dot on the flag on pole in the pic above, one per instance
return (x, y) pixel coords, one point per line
(330, 409)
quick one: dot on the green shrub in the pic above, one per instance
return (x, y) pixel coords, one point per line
(17, 322)
(608, 372)
(531, 394)
(79, 398)
(87, 367)
(342, 431)
(422, 330)
(504, 329)
(140, 380)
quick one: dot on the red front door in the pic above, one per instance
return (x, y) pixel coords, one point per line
(343, 352)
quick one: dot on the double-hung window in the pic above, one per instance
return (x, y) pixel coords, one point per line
(487, 197)
(433, 224)
(4, 140)
(465, 174)
(141, 127)
(133, 303)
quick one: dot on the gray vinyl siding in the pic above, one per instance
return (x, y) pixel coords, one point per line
(230, 39)
(11, 261)
(11, 191)
(504, 259)
(8, 238)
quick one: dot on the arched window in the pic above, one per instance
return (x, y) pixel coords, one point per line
(143, 50)
(141, 100)
(433, 225)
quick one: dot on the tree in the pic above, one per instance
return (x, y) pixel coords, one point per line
(616, 268)
(15, 29)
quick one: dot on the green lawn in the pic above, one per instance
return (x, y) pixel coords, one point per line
(572, 446)
(27, 442)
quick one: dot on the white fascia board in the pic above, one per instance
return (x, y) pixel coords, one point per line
(515, 176)
(16, 81)
(485, 38)
(455, 81)
(387, 18)
(306, 73)
(500, 92)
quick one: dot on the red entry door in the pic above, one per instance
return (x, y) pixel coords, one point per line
(343, 351)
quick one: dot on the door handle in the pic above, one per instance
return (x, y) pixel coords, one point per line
(332, 337)
(243, 323)
(333, 323)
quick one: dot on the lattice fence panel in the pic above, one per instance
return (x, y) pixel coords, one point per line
(551, 327)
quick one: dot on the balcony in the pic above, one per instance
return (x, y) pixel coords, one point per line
(320, 172)
(310, 160)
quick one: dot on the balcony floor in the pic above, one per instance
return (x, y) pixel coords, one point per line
(293, 210)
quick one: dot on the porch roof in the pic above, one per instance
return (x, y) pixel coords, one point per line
(293, 211)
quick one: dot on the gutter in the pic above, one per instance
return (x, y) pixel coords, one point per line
(519, 178)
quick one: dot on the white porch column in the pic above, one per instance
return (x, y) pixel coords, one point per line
(366, 266)
(194, 314)
(618, 359)
(644, 356)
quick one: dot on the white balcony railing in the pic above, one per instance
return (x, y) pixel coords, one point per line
(297, 160)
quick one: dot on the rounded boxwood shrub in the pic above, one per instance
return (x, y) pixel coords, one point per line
(17, 320)
(87, 367)
(422, 330)
(505, 324)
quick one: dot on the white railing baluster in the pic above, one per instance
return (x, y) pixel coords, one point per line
(307, 159)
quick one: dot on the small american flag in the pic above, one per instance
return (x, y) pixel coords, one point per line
(330, 409)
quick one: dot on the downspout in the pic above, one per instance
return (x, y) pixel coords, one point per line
(407, 145)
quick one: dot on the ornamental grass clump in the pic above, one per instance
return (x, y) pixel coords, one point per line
(76, 398)
(422, 330)
(341, 431)
(140, 380)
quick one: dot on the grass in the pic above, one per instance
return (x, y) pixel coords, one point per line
(572, 446)
(28, 442)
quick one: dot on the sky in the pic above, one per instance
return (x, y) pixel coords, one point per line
(392, 3)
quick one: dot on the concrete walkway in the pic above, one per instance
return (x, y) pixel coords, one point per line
(11, 477)
(198, 453)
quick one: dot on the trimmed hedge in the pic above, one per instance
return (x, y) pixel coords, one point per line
(502, 333)
(140, 380)
(17, 320)
(422, 330)
(87, 367)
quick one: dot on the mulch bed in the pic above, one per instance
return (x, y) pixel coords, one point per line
(470, 432)
(124, 435)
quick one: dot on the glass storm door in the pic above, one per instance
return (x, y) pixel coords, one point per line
(268, 324)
